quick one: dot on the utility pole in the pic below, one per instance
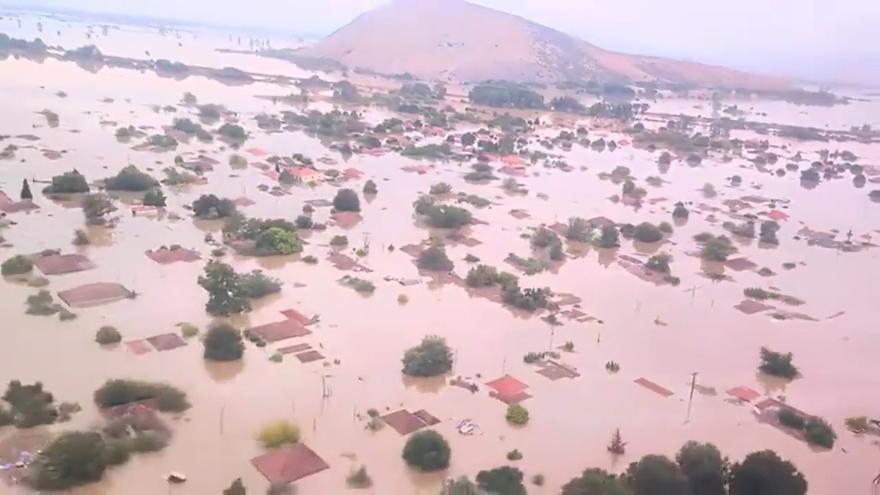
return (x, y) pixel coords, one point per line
(691, 398)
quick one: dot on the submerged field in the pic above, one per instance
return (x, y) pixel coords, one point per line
(661, 332)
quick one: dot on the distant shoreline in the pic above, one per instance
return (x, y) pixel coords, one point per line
(144, 21)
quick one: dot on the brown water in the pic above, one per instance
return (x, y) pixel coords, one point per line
(572, 420)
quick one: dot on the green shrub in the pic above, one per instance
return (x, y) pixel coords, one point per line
(715, 248)
(74, 458)
(359, 479)
(154, 197)
(434, 259)
(777, 364)
(819, 432)
(278, 241)
(225, 293)
(255, 284)
(210, 206)
(856, 424)
(659, 263)
(790, 418)
(95, 207)
(147, 441)
(68, 183)
(579, 230)
(118, 392)
(427, 450)
(609, 237)
(339, 241)
(223, 342)
(525, 299)
(430, 358)
(31, 404)
(232, 132)
(680, 211)
(503, 480)
(130, 179)
(358, 284)
(370, 187)
(514, 455)
(108, 335)
(440, 188)
(16, 265)
(116, 452)
(188, 330)
(278, 433)
(517, 414)
(346, 200)
(482, 276)
(81, 238)
(646, 232)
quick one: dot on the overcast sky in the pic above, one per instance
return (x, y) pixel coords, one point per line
(827, 39)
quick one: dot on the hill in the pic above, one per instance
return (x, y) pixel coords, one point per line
(459, 41)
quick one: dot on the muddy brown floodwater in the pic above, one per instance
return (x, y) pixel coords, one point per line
(572, 419)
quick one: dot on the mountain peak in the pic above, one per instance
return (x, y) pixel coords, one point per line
(459, 41)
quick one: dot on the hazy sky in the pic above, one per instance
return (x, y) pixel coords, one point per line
(828, 39)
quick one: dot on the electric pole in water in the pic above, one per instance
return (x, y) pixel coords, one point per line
(691, 398)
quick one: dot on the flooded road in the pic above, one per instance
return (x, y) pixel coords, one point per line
(364, 338)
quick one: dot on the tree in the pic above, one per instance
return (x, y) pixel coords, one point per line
(74, 458)
(278, 433)
(223, 342)
(659, 263)
(468, 139)
(777, 364)
(370, 187)
(716, 248)
(462, 486)
(819, 432)
(680, 211)
(16, 265)
(765, 472)
(567, 104)
(95, 207)
(596, 481)
(430, 358)
(236, 488)
(154, 197)
(108, 335)
(277, 240)
(768, 232)
(26, 194)
(210, 206)
(609, 237)
(256, 284)
(130, 179)
(346, 200)
(656, 475)
(517, 414)
(647, 232)
(482, 276)
(68, 183)
(434, 258)
(504, 480)
(225, 294)
(118, 392)
(704, 468)
(427, 450)
(578, 230)
(232, 132)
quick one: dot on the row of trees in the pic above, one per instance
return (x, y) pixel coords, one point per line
(698, 469)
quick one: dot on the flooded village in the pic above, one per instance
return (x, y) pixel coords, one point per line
(228, 267)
